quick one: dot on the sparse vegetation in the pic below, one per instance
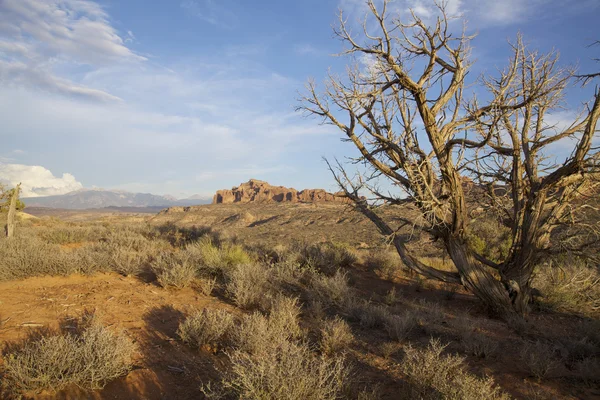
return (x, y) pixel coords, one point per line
(399, 327)
(539, 358)
(335, 336)
(247, 284)
(173, 271)
(89, 359)
(206, 327)
(291, 372)
(434, 375)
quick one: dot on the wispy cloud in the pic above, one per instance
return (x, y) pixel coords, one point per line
(218, 13)
(306, 49)
(39, 37)
(481, 14)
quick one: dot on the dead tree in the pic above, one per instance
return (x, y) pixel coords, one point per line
(12, 211)
(408, 114)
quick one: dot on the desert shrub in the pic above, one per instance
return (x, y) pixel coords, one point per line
(326, 257)
(433, 375)
(247, 284)
(570, 286)
(288, 273)
(576, 349)
(332, 290)
(214, 259)
(518, 324)
(172, 270)
(390, 297)
(335, 336)
(126, 261)
(26, 256)
(207, 285)
(388, 349)
(588, 370)
(258, 334)
(589, 329)
(539, 358)
(367, 314)
(386, 263)
(206, 327)
(285, 315)
(292, 372)
(181, 236)
(399, 327)
(479, 345)
(431, 312)
(89, 359)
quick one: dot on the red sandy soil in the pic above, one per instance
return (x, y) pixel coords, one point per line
(167, 369)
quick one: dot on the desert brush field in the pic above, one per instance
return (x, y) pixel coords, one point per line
(272, 301)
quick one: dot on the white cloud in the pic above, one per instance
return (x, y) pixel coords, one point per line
(37, 181)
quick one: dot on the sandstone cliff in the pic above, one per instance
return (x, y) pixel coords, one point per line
(261, 192)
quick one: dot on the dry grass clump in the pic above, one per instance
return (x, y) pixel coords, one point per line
(479, 345)
(173, 271)
(367, 314)
(270, 360)
(433, 375)
(71, 234)
(258, 334)
(206, 285)
(518, 324)
(335, 336)
(247, 284)
(206, 327)
(588, 370)
(386, 263)
(292, 372)
(540, 359)
(25, 256)
(390, 297)
(333, 290)
(326, 257)
(214, 259)
(399, 327)
(571, 286)
(89, 359)
(388, 349)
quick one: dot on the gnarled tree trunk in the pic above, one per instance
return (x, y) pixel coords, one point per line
(12, 211)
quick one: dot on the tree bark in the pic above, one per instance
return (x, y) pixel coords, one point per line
(477, 279)
(12, 211)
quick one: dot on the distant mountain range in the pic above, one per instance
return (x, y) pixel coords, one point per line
(98, 198)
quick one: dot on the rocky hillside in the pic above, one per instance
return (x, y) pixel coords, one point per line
(262, 192)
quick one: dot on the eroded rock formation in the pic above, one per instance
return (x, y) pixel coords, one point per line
(261, 192)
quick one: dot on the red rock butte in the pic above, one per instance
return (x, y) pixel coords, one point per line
(261, 192)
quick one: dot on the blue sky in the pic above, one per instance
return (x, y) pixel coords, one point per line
(186, 97)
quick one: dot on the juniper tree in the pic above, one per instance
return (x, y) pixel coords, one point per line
(410, 117)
